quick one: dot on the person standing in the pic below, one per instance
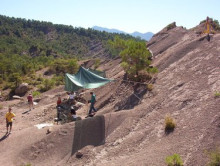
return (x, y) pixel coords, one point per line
(9, 119)
(92, 103)
(73, 112)
(72, 96)
(59, 101)
(30, 101)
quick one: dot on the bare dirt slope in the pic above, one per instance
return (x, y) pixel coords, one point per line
(129, 127)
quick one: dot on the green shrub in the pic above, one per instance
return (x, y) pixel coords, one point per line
(28, 164)
(36, 93)
(214, 158)
(169, 124)
(97, 63)
(40, 78)
(47, 85)
(59, 80)
(150, 87)
(40, 87)
(36, 83)
(15, 78)
(152, 70)
(174, 160)
(171, 26)
(1, 106)
(217, 94)
(8, 85)
(32, 76)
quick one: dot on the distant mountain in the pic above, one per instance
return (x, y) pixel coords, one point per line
(107, 30)
(145, 36)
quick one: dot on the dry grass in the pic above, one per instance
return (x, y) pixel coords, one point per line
(169, 124)
(150, 87)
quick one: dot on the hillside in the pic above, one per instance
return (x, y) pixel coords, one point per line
(39, 38)
(27, 46)
(145, 36)
(129, 126)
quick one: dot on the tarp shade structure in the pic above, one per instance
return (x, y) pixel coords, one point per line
(100, 73)
(84, 79)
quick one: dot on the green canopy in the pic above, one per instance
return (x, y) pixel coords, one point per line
(84, 79)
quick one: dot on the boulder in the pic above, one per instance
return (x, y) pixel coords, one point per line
(16, 97)
(21, 89)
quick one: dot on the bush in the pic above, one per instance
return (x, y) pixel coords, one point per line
(169, 124)
(97, 63)
(171, 26)
(8, 85)
(26, 164)
(36, 93)
(32, 76)
(59, 80)
(15, 78)
(47, 85)
(40, 78)
(152, 70)
(1, 106)
(217, 94)
(150, 87)
(174, 160)
(214, 158)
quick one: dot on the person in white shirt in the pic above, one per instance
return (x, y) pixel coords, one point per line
(72, 97)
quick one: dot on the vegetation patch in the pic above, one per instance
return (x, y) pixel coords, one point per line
(174, 160)
(36, 94)
(136, 58)
(150, 87)
(214, 158)
(169, 124)
(152, 70)
(47, 85)
(97, 63)
(26, 46)
(171, 26)
(26, 164)
(217, 94)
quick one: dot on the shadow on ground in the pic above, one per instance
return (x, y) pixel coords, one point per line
(89, 131)
(4, 137)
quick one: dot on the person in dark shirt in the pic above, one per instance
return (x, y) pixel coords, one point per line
(92, 103)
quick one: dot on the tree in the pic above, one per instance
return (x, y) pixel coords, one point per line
(135, 57)
(73, 66)
(16, 78)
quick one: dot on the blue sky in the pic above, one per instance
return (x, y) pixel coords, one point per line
(125, 15)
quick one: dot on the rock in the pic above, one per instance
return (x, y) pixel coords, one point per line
(21, 89)
(79, 155)
(48, 131)
(16, 97)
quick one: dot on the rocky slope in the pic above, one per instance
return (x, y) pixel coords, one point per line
(129, 127)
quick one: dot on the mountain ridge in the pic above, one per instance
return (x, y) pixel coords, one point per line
(146, 36)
